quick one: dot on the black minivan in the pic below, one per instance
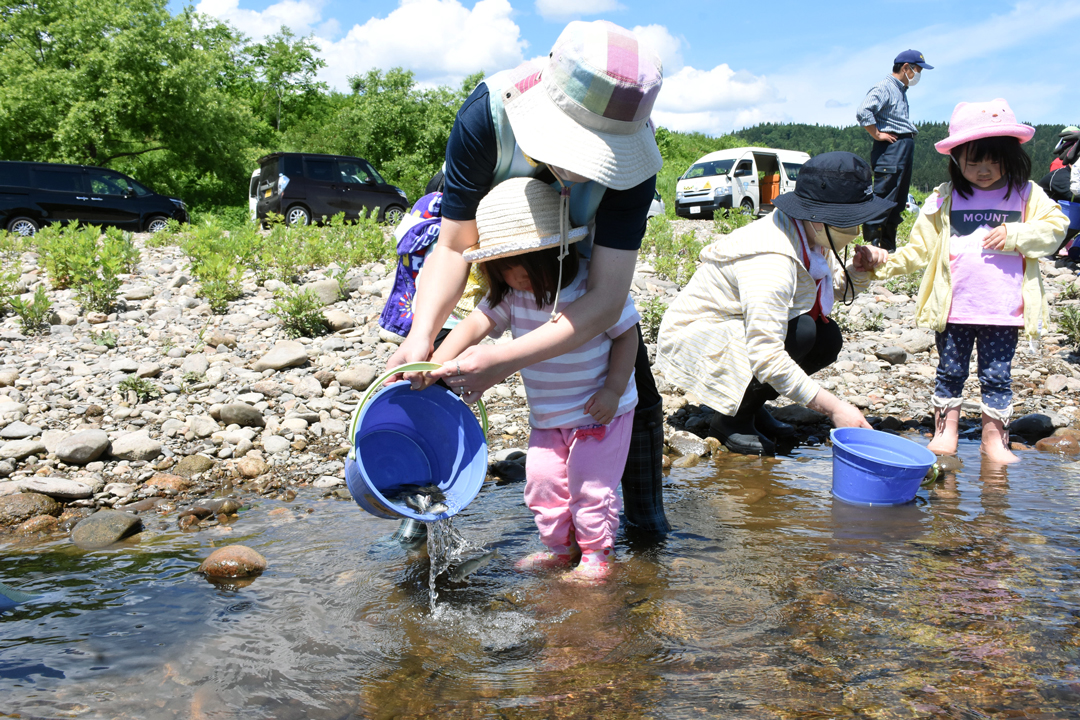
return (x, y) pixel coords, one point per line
(307, 187)
(33, 194)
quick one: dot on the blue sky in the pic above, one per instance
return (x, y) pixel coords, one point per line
(727, 64)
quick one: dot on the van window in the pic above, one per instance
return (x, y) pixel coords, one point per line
(792, 171)
(355, 172)
(320, 169)
(715, 167)
(253, 190)
(14, 174)
(60, 180)
(746, 167)
(107, 183)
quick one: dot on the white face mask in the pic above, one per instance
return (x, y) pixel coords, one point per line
(914, 80)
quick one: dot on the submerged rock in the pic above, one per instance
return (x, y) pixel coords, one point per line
(20, 507)
(233, 561)
(105, 528)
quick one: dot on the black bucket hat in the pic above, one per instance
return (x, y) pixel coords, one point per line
(835, 188)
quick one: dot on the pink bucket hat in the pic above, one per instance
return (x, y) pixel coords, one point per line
(588, 108)
(972, 121)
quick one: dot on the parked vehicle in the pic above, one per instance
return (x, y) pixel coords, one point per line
(748, 177)
(33, 194)
(307, 187)
(656, 207)
(253, 192)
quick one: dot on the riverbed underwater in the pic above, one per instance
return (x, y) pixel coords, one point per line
(769, 600)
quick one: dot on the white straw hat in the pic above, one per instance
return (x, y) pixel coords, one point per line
(588, 109)
(518, 216)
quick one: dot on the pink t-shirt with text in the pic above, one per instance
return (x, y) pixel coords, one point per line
(986, 284)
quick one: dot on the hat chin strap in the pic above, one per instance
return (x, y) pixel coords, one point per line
(564, 237)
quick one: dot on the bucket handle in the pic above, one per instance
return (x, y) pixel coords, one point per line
(375, 386)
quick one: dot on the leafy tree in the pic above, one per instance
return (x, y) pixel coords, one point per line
(124, 84)
(285, 67)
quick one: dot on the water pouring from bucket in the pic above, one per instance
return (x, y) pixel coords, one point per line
(874, 468)
(416, 454)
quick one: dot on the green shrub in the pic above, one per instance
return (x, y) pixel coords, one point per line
(8, 281)
(85, 259)
(32, 315)
(652, 313)
(726, 222)
(1068, 322)
(904, 284)
(1069, 292)
(143, 388)
(106, 338)
(672, 258)
(301, 313)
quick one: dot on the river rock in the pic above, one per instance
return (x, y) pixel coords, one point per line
(21, 449)
(104, 528)
(269, 388)
(1055, 384)
(1068, 432)
(124, 365)
(252, 467)
(308, 388)
(57, 487)
(203, 426)
(233, 561)
(1034, 426)
(8, 377)
(19, 430)
(148, 370)
(136, 446)
(82, 447)
(285, 354)
(241, 414)
(192, 465)
(38, 524)
(798, 415)
(195, 363)
(339, 320)
(329, 481)
(275, 444)
(1060, 445)
(893, 354)
(14, 509)
(686, 443)
(169, 482)
(687, 461)
(917, 341)
(328, 291)
(358, 378)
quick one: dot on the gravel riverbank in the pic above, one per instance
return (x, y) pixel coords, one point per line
(234, 408)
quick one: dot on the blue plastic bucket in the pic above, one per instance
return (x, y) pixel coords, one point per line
(417, 437)
(876, 468)
(1072, 211)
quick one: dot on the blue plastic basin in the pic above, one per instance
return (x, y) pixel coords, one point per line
(875, 468)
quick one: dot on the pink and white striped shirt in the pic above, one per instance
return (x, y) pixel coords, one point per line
(557, 389)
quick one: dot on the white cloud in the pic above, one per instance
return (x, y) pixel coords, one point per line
(299, 15)
(664, 44)
(562, 9)
(441, 41)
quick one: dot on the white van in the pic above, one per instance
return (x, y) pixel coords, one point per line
(746, 177)
(253, 192)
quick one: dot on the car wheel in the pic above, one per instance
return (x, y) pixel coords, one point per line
(393, 214)
(156, 223)
(297, 215)
(23, 226)
(747, 206)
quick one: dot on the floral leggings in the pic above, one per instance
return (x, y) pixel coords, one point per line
(996, 345)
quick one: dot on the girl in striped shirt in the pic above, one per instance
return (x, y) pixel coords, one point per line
(581, 402)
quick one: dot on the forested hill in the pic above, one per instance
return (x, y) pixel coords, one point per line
(930, 167)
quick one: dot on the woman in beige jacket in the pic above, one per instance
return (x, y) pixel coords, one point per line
(753, 323)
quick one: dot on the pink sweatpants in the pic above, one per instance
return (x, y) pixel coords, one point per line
(571, 480)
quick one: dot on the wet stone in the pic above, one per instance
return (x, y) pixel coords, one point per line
(15, 509)
(169, 482)
(686, 443)
(1060, 445)
(37, 525)
(233, 561)
(104, 528)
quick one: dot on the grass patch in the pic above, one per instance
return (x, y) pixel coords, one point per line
(301, 313)
(143, 388)
(904, 285)
(673, 258)
(1068, 322)
(32, 314)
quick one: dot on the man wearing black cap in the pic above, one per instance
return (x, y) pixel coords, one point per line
(884, 114)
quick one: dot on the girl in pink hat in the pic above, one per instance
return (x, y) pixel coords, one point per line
(977, 242)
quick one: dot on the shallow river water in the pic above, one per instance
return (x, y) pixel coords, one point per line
(770, 600)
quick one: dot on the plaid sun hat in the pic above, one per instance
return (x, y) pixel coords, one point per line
(587, 110)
